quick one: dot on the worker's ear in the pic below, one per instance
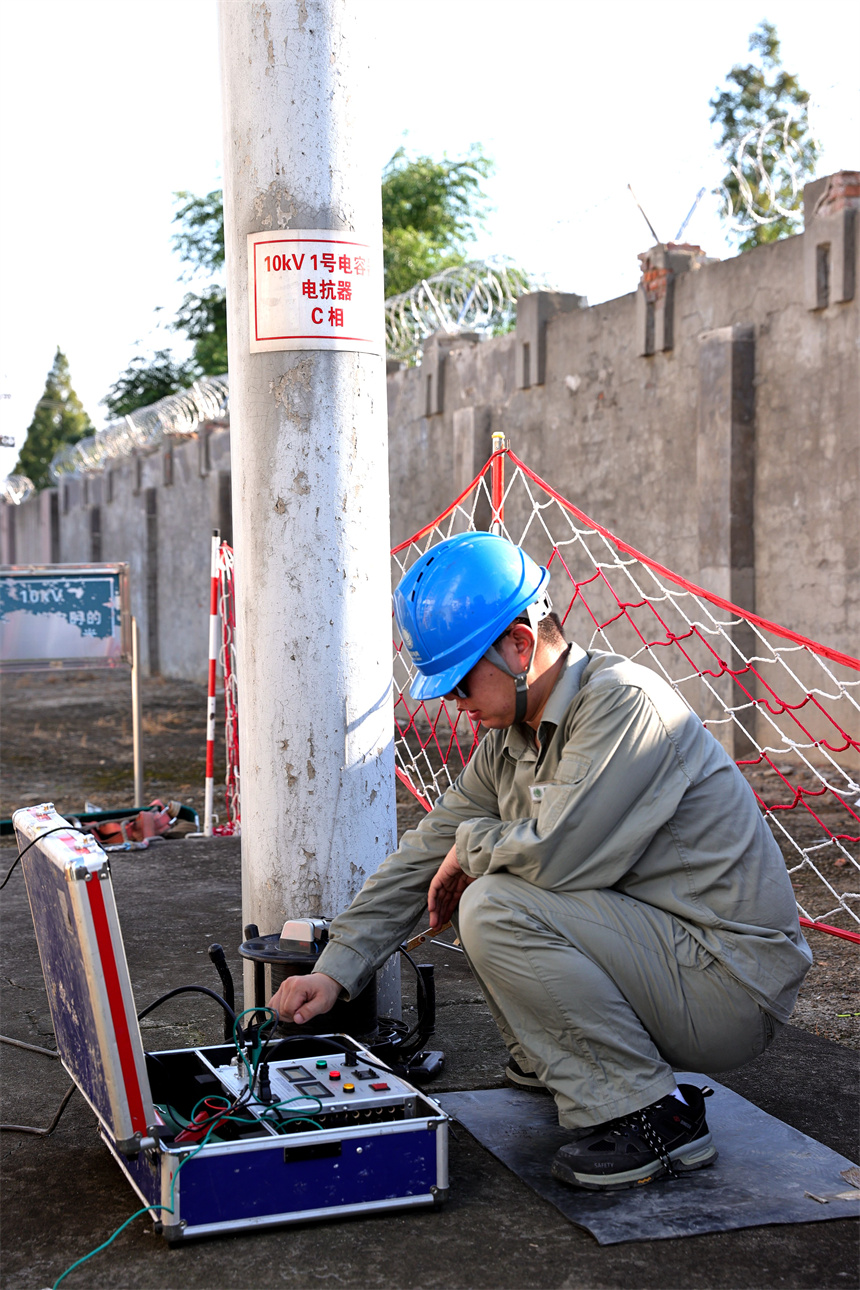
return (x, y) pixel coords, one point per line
(523, 639)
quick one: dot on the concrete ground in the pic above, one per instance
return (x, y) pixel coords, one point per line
(64, 1195)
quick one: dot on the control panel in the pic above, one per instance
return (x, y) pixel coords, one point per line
(335, 1089)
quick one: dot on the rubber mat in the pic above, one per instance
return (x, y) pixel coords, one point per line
(762, 1174)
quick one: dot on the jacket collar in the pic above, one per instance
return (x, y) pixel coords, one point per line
(518, 742)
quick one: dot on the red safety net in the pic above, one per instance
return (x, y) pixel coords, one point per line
(227, 611)
(786, 708)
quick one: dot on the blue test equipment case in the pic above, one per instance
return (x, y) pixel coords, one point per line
(381, 1144)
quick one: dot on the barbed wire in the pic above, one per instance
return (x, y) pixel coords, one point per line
(752, 150)
(768, 158)
(15, 489)
(175, 416)
(479, 296)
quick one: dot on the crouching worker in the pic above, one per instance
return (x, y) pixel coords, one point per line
(615, 887)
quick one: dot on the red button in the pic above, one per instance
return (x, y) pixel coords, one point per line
(379, 1088)
(334, 1074)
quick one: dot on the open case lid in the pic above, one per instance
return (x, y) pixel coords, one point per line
(86, 975)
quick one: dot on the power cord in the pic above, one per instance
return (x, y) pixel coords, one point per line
(400, 1028)
(60, 828)
(31, 1048)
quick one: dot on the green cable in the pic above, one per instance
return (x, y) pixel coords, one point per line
(104, 1244)
(270, 1021)
(165, 1209)
(217, 1117)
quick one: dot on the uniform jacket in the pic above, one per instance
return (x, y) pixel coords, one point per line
(624, 789)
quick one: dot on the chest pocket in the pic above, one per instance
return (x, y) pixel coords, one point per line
(551, 799)
(572, 768)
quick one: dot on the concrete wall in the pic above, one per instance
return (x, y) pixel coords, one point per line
(711, 419)
(732, 455)
(155, 511)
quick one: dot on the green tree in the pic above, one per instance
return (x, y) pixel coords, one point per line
(146, 381)
(203, 319)
(202, 316)
(758, 93)
(200, 242)
(429, 213)
(59, 418)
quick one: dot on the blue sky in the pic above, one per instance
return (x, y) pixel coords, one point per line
(109, 106)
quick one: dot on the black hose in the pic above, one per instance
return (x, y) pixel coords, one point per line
(219, 959)
(190, 989)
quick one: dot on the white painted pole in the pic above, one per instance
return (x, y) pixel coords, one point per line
(136, 714)
(310, 476)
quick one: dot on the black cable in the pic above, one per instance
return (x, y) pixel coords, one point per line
(269, 1036)
(422, 1004)
(418, 977)
(58, 829)
(219, 960)
(188, 989)
(401, 1028)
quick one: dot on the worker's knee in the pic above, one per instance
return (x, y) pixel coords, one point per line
(502, 909)
(485, 913)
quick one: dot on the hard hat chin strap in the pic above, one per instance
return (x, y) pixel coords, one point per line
(535, 613)
(493, 656)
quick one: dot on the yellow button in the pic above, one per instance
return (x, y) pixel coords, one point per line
(349, 1088)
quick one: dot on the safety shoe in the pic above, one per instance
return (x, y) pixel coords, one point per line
(664, 1138)
(515, 1074)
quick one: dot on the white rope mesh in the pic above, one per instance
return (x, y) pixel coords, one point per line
(787, 709)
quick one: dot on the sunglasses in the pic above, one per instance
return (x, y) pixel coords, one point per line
(459, 691)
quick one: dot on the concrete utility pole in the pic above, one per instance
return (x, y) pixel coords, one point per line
(309, 448)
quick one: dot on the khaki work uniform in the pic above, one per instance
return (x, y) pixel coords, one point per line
(631, 911)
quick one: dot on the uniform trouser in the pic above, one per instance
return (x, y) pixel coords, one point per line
(601, 995)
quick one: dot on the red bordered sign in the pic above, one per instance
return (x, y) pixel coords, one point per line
(313, 289)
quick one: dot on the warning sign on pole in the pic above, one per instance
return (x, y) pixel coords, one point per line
(313, 289)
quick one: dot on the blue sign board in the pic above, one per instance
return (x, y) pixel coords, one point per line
(64, 616)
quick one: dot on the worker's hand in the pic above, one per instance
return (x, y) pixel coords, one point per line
(447, 887)
(301, 997)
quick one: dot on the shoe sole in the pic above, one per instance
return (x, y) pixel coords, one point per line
(695, 1155)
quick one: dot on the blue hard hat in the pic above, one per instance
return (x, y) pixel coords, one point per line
(459, 598)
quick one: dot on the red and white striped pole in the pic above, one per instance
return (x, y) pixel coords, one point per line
(497, 482)
(210, 703)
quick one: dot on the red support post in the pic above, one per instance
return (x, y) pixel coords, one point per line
(210, 701)
(497, 481)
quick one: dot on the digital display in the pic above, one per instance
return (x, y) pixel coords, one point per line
(313, 1088)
